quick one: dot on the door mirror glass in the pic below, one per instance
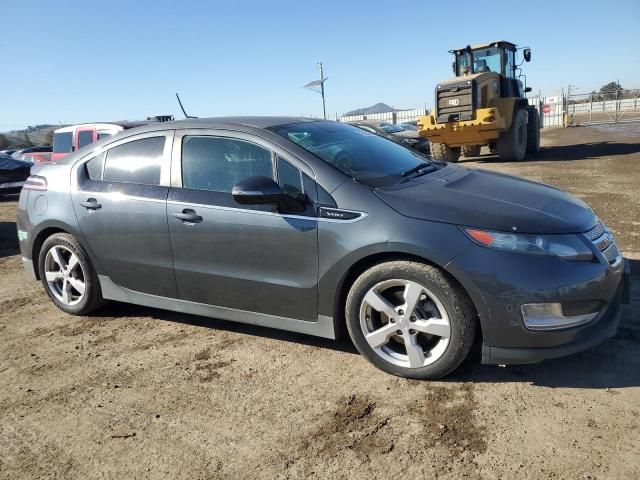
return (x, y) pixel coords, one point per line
(527, 54)
(259, 190)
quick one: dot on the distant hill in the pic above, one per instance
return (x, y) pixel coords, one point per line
(30, 136)
(377, 108)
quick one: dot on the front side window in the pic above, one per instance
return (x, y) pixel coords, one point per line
(62, 142)
(85, 137)
(218, 163)
(138, 161)
(290, 180)
(369, 158)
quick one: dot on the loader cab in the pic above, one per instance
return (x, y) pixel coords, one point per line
(496, 57)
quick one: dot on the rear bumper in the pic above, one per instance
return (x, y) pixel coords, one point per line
(604, 328)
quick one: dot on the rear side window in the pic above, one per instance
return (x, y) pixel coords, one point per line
(138, 161)
(85, 137)
(94, 167)
(62, 142)
(217, 164)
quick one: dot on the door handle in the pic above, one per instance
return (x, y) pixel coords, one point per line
(188, 216)
(91, 204)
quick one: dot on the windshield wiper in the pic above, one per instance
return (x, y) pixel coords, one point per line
(422, 168)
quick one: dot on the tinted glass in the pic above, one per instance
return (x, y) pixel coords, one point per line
(102, 135)
(85, 137)
(138, 161)
(94, 167)
(62, 142)
(217, 164)
(370, 158)
(289, 179)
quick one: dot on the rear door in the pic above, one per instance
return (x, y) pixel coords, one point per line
(246, 257)
(120, 203)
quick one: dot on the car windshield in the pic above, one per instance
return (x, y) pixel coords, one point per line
(367, 157)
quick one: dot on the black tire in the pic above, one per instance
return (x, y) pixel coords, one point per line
(92, 298)
(469, 151)
(533, 131)
(512, 144)
(445, 153)
(458, 307)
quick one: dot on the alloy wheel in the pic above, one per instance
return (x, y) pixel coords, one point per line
(64, 274)
(405, 323)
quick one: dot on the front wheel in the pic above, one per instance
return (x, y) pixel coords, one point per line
(68, 275)
(409, 319)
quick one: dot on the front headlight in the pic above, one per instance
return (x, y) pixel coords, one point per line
(568, 247)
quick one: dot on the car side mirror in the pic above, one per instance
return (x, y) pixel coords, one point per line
(528, 89)
(261, 190)
(527, 54)
(453, 67)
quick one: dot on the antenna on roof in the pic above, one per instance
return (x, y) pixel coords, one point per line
(183, 111)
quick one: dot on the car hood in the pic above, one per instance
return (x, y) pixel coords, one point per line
(492, 201)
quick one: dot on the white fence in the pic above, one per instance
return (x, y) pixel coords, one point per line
(398, 116)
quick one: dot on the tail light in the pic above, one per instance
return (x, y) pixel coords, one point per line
(35, 182)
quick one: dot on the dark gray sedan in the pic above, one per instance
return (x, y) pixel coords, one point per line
(311, 226)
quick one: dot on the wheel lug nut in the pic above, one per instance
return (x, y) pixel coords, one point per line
(412, 332)
(400, 312)
(399, 332)
(413, 318)
(393, 320)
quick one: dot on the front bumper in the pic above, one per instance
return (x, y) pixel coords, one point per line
(11, 187)
(484, 129)
(499, 283)
(603, 329)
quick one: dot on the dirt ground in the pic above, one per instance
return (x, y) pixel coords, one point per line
(142, 393)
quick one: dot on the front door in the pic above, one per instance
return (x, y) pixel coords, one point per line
(120, 204)
(249, 258)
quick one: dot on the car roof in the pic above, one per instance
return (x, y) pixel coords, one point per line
(228, 122)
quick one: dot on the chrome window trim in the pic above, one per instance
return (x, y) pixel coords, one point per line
(165, 172)
(361, 215)
(176, 156)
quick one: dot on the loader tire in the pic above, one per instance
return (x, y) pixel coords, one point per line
(445, 153)
(533, 131)
(512, 144)
(469, 151)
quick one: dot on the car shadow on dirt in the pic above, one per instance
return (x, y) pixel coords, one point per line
(8, 239)
(584, 151)
(614, 364)
(116, 309)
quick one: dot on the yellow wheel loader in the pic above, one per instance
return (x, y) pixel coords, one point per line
(484, 104)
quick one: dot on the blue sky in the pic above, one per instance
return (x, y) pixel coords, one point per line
(73, 62)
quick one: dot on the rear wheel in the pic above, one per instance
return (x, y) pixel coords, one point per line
(533, 131)
(443, 152)
(68, 275)
(410, 320)
(512, 144)
(471, 151)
